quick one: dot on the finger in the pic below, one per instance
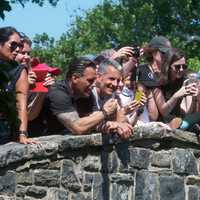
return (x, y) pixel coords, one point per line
(134, 103)
(36, 142)
(48, 83)
(48, 75)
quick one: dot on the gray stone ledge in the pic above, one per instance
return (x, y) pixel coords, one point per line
(51, 145)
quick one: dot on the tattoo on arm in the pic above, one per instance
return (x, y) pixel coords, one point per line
(67, 119)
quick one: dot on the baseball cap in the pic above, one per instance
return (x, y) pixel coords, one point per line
(161, 43)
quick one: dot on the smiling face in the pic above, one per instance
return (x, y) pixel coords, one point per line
(82, 85)
(108, 82)
(178, 69)
(10, 48)
(23, 57)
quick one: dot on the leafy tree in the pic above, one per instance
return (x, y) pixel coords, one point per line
(128, 22)
(5, 5)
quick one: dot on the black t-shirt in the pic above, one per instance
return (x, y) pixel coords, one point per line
(60, 100)
(10, 73)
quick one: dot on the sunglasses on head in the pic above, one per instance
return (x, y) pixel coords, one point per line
(178, 67)
(14, 45)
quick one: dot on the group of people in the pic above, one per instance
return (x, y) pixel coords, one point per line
(109, 93)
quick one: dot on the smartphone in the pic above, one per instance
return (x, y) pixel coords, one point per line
(138, 96)
(136, 51)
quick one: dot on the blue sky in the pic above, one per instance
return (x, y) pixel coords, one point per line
(53, 20)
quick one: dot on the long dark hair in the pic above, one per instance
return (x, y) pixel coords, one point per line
(176, 55)
(148, 53)
(6, 32)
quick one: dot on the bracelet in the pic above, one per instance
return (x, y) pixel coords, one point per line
(24, 133)
(104, 114)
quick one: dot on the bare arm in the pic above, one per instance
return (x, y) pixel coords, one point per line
(152, 107)
(21, 99)
(164, 107)
(189, 102)
(34, 108)
(82, 125)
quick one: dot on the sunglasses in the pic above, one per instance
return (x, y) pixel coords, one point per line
(14, 45)
(178, 67)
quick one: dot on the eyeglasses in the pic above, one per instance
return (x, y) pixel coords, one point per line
(178, 67)
(13, 45)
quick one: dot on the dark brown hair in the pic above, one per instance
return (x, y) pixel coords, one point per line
(176, 55)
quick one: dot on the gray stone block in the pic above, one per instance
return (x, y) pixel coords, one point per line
(11, 153)
(184, 162)
(7, 183)
(171, 188)
(147, 186)
(20, 191)
(98, 184)
(100, 187)
(121, 192)
(122, 178)
(39, 164)
(193, 193)
(113, 162)
(6, 198)
(57, 194)
(36, 192)
(161, 159)
(44, 150)
(49, 178)
(87, 182)
(55, 164)
(139, 158)
(193, 180)
(24, 178)
(92, 163)
(121, 187)
(81, 196)
(123, 157)
(69, 177)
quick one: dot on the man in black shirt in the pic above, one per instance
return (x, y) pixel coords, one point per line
(70, 102)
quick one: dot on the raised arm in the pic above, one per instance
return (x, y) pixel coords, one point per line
(165, 107)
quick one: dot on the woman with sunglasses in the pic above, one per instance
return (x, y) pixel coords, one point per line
(175, 100)
(10, 45)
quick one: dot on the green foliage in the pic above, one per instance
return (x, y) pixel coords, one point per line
(5, 5)
(118, 23)
(194, 64)
(127, 22)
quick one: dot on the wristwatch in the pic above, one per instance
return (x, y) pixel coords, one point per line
(25, 133)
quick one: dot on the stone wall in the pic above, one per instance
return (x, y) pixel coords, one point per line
(155, 164)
